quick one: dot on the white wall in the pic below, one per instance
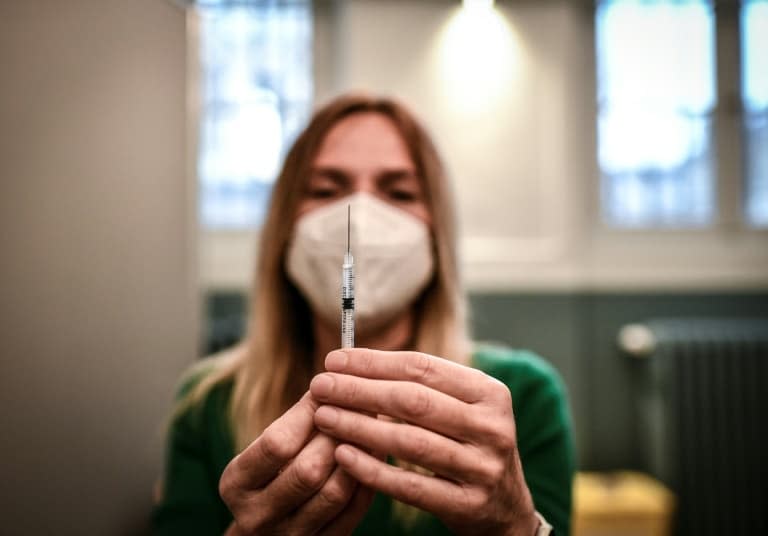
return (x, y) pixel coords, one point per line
(522, 155)
(506, 149)
(98, 303)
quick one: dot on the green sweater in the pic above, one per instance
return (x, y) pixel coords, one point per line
(200, 445)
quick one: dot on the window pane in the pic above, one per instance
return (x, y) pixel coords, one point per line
(754, 93)
(656, 94)
(257, 92)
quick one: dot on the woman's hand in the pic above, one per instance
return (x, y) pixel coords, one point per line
(458, 423)
(287, 481)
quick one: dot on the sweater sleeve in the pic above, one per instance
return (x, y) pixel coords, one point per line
(544, 435)
(546, 448)
(189, 503)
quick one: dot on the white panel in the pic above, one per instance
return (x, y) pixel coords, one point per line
(503, 152)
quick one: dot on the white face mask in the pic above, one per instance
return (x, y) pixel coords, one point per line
(393, 259)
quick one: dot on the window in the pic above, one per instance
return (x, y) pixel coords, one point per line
(754, 94)
(656, 92)
(257, 92)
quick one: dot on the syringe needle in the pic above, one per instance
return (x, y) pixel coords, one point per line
(349, 209)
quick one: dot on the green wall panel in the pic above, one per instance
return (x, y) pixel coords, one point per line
(576, 332)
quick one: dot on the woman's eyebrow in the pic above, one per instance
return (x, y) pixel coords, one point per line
(389, 176)
(336, 175)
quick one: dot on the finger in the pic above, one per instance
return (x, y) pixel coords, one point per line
(351, 516)
(465, 383)
(326, 504)
(410, 402)
(279, 443)
(433, 494)
(414, 444)
(301, 479)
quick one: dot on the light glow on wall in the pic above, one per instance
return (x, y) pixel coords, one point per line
(478, 57)
(477, 4)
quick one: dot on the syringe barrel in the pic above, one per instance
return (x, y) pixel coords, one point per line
(347, 329)
(348, 302)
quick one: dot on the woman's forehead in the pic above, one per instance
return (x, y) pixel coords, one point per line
(364, 140)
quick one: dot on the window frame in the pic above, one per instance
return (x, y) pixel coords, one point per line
(726, 254)
(226, 256)
(730, 215)
(655, 225)
(290, 107)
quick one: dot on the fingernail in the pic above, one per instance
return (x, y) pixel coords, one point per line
(336, 360)
(326, 416)
(321, 385)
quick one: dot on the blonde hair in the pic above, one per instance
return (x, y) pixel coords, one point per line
(272, 367)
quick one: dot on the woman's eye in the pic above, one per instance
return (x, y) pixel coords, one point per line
(322, 193)
(402, 195)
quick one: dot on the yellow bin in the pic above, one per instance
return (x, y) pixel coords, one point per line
(621, 504)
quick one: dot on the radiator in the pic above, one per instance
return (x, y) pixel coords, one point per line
(702, 419)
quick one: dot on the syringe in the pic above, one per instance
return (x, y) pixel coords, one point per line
(348, 294)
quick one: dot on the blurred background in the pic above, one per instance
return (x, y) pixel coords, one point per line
(610, 161)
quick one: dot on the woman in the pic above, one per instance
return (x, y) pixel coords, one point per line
(313, 425)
